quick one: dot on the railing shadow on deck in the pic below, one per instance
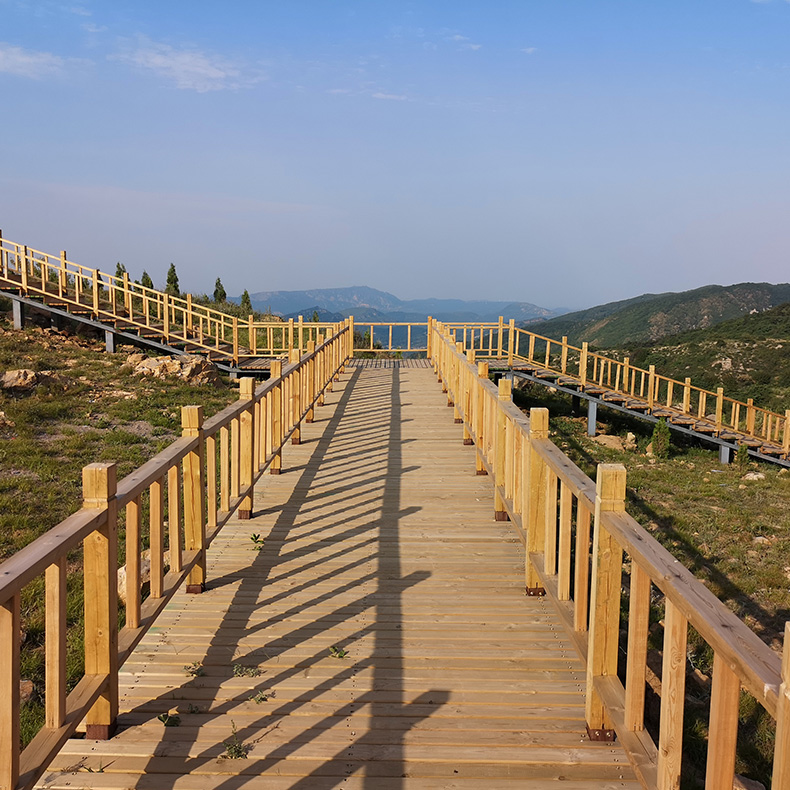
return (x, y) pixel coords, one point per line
(380, 423)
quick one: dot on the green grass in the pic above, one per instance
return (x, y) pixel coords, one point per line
(94, 410)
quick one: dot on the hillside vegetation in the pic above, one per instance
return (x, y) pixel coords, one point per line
(748, 356)
(649, 318)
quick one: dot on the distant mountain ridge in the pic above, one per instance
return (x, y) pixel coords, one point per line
(648, 318)
(370, 304)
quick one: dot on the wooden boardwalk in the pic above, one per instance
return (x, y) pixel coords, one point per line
(386, 615)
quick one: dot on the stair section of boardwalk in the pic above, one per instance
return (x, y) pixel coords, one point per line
(380, 639)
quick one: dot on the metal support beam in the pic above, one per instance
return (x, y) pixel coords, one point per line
(725, 454)
(592, 414)
(109, 341)
(19, 313)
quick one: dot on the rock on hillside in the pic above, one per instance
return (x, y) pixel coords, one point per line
(189, 367)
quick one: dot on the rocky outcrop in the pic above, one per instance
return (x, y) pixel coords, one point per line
(189, 367)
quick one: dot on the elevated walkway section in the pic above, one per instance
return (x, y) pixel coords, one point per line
(380, 638)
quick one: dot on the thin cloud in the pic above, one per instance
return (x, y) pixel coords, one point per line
(473, 47)
(29, 63)
(91, 28)
(530, 50)
(188, 68)
(389, 96)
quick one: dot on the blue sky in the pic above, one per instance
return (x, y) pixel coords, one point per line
(561, 152)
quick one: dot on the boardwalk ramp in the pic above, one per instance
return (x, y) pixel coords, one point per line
(376, 634)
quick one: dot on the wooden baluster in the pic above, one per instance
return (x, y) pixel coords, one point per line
(224, 469)
(310, 382)
(55, 680)
(95, 292)
(511, 342)
(673, 697)
(296, 398)
(133, 578)
(531, 347)
(607, 567)
(193, 470)
(636, 670)
(536, 481)
(235, 458)
(156, 498)
(723, 730)
(564, 570)
(174, 518)
(781, 772)
(550, 525)
(10, 628)
(581, 583)
(235, 340)
(277, 417)
(500, 450)
(100, 555)
(482, 373)
(247, 446)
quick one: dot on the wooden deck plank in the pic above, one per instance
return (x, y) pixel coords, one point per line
(380, 541)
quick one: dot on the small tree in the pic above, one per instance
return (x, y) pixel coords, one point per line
(246, 304)
(315, 317)
(661, 439)
(120, 270)
(146, 280)
(171, 288)
(219, 292)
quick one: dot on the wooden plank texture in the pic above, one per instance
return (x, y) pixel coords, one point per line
(381, 637)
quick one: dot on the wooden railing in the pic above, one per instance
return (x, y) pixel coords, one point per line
(576, 533)
(504, 341)
(174, 319)
(196, 484)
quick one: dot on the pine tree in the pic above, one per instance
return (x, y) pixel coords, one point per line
(172, 281)
(315, 318)
(146, 280)
(246, 304)
(219, 292)
(120, 270)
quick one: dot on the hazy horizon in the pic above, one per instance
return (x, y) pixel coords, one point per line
(564, 153)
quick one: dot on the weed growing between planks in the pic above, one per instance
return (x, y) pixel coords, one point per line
(91, 409)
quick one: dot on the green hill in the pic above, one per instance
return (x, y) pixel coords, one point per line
(648, 318)
(748, 356)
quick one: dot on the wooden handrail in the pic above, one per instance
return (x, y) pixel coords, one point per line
(259, 424)
(535, 486)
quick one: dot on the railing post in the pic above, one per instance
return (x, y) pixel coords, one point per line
(535, 482)
(500, 337)
(429, 344)
(246, 445)
(63, 278)
(781, 772)
(500, 450)
(10, 629)
(194, 496)
(351, 337)
(564, 357)
(458, 382)
(719, 408)
(511, 339)
(23, 270)
(651, 387)
(607, 568)
(277, 417)
(235, 340)
(100, 556)
(95, 284)
(786, 437)
(583, 365)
